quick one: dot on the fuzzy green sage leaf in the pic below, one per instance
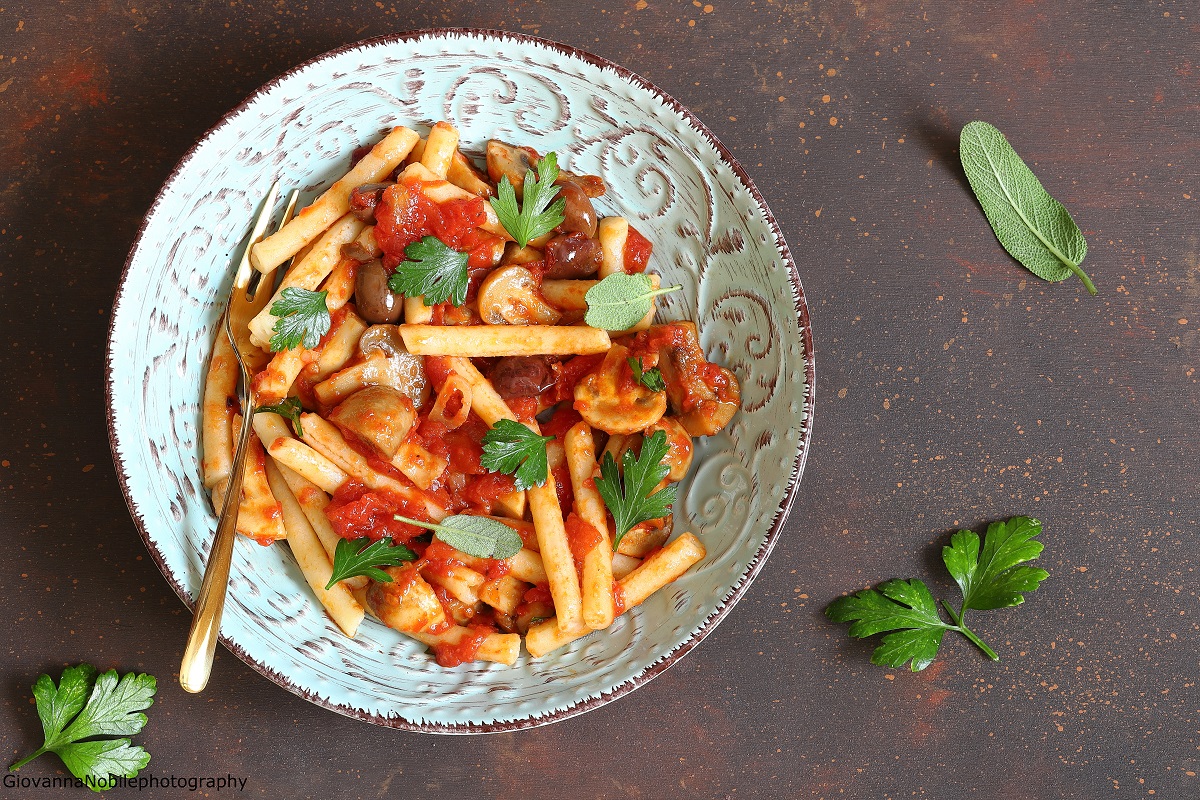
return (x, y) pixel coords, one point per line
(1034, 228)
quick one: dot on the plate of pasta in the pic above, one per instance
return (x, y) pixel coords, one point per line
(531, 380)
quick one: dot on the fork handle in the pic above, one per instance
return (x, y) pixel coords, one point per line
(210, 604)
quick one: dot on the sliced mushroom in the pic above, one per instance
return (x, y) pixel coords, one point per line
(609, 399)
(510, 295)
(704, 395)
(512, 162)
(408, 603)
(508, 161)
(378, 416)
(386, 362)
(679, 443)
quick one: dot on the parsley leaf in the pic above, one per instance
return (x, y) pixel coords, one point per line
(903, 606)
(290, 408)
(514, 449)
(619, 302)
(303, 319)
(476, 536)
(537, 215)
(993, 578)
(84, 706)
(651, 378)
(632, 503)
(432, 270)
(351, 559)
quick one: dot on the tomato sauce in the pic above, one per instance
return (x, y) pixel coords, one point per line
(562, 483)
(524, 408)
(481, 494)
(637, 251)
(618, 594)
(405, 214)
(582, 537)
(467, 648)
(356, 511)
(569, 373)
(563, 420)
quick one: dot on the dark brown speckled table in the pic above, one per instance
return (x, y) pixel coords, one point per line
(953, 389)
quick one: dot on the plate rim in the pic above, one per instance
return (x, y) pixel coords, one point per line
(668, 659)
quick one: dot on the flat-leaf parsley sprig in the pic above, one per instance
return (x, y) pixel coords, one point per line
(432, 270)
(989, 578)
(82, 708)
(303, 319)
(537, 215)
(651, 378)
(631, 501)
(355, 557)
(513, 449)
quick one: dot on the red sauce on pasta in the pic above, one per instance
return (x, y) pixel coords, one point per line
(637, 251)
(583, 537)
(405, 214)
(356, 511)
(466, 649)
(618, 598)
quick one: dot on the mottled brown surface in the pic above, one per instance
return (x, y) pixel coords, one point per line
(954, 389)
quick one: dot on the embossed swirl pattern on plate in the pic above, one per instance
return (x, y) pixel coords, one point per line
(711, 234)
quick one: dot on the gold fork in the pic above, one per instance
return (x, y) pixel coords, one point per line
(245, 301)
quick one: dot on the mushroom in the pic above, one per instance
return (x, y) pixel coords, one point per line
(408, 603)
(509, 295)
(512, 162)
(679, 444)
(508, 161)
(378, 416)
(609, 399)
(704, 395)
(385, 362)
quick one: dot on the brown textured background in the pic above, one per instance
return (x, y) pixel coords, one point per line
(953, 389)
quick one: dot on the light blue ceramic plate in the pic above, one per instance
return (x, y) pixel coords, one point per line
(712, 233)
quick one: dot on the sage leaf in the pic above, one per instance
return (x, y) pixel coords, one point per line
(1034, 228)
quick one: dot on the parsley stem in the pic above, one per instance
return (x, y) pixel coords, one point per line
(967, 632)
(27, 759)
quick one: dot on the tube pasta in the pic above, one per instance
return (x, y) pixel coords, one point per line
(418, 464)
(313, 502)
(325, 255)
(310, 222)
(328, 441)
(439, 149)
(217, 410)
(311, 557)
(662, 568)
(483, 341)
(308, 462)
(259, 514)
(455, 390)
(612, 233)
(598, 607)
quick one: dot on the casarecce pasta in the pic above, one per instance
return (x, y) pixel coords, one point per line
(392, 405)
